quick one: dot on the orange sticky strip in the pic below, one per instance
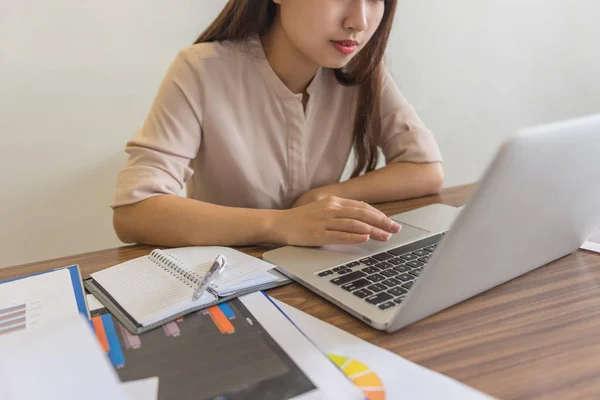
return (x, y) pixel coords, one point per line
(375, 394)
(220, 320)
(100, 333)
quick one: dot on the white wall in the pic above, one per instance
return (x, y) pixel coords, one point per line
(77, 78)
(477, 70)
(76, 81)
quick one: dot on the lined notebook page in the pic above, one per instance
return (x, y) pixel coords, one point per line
(260, 279)
(242, 270)
(146, 291)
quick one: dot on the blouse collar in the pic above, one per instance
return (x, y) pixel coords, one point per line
(273, 79)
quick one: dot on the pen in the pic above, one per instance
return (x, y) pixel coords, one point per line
(215, 269)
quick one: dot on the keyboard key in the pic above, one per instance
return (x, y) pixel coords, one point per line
(389, 273)
(362, 293)
(338, 269)
(325, 273)
(387, 305)
(370, 270)
(424, 259)
(388, 283)
(378, 287)
(429, 249)
(398, 251)
(348, 278)
(415, 272)
(384, 265)
(408, 257)
(358, 284)
(405, 277)
(399, 299)
(353, 264)
(379, 298)
(368, 261)
(383, 256)
(402, 268)
(415, 264)
(420, 253)
(392, 282)
(407, 285)
(344, 271)
(397, 291)
(376, 278)
(396, 261)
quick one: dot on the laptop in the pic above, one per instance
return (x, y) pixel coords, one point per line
(537, 201)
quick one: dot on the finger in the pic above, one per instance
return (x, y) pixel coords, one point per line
(337, 237)
(385, 222)
(374, 218)
(356, 226)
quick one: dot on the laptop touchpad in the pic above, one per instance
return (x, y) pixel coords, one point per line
(407, 234)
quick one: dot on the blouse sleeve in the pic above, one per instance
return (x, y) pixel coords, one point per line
(403, 137)
(161, 152)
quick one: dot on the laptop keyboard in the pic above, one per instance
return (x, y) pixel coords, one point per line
(384, 279)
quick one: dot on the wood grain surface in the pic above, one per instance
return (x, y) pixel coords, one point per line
(535, 337)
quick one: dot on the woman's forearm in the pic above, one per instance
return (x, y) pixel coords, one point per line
(174, 221)
(393, 182)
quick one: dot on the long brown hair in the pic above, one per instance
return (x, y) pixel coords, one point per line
(243, 18)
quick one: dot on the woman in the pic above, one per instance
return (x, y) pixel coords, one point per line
(258, 119)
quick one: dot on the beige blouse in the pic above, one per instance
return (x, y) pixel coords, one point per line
(223, 121)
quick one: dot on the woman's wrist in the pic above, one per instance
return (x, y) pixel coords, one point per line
(269, 227)
(311, 196)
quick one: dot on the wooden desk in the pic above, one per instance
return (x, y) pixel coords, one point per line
(536, 337)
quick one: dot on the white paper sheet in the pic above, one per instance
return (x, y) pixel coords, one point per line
(379, 373)
(93, 303)
(330, 383)
(142, 389)
(33, 302)
(593, 243)
(59, 361)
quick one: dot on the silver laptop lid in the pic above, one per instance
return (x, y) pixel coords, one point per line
(538, 200)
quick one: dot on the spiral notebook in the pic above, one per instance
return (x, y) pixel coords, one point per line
(150, 291)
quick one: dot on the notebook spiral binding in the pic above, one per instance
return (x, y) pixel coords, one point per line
(175, 268)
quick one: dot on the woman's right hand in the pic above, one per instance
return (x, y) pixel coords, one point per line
(332, 220)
